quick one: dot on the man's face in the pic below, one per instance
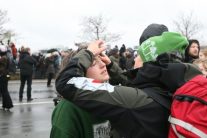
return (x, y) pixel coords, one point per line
(98, 70)
(193, 50)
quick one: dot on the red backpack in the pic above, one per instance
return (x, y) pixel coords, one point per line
(189, 110)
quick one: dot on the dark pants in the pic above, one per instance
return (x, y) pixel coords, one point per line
(23, 79)
(6, 99)
(49, 78)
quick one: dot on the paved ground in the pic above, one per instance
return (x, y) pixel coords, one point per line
(28, 119)
(39, 90)
(33, 119)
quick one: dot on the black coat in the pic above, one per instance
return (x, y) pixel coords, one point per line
(26, 64)
(4, 65)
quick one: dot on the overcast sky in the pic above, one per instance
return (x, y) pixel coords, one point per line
(43, 24)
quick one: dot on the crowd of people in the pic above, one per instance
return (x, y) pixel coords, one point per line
(130, 88)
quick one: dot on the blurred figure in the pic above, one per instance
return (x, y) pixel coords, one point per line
(114, 55)
(26, 64)
(203, 53)
(58, 60)
(13, 50)
(202, 65)
(40, 68)
(122, 57)
(50, 68)
(66, 54)
(4, 76)
(129, 58)
(192, 51)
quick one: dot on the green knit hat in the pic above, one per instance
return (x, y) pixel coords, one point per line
(167, 42)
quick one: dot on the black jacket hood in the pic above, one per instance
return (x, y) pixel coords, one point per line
(189, 58)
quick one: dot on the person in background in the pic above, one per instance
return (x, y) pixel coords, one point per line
(203, 53)
(40, 66)
(14, 50)
(114, 55)
(58, 60)
(192, 51)
(4, 76)
(26, 64)
(129, 58)
(122, 57)
(65, 55)
(50, 68)
(202, 65)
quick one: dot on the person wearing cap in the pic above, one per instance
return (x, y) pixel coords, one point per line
(141, 108)
(153, 29)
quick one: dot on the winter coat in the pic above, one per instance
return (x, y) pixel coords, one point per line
(50, 65)
(26, 63)
(69, 121)
(4, 65)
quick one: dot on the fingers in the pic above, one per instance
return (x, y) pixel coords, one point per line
(97, 47)
(105, 58)
(99, 43)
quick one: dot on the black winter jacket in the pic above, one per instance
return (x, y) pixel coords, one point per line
(26, 64)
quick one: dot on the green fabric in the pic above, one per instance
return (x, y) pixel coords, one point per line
(167, 42)
(69, 121)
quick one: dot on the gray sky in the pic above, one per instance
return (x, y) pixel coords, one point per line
(43, 24)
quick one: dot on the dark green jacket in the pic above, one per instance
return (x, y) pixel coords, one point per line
(69, 121)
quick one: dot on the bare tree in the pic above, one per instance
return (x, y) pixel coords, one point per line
(3, 20)
(187, 25)
(8, 34)
(95, 28)
(5, 34)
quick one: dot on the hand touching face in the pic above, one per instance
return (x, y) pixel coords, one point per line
(98, 70)
(96, 47)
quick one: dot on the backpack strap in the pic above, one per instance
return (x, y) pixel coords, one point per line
(187, 126)
(176, 132)
(163, 98)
